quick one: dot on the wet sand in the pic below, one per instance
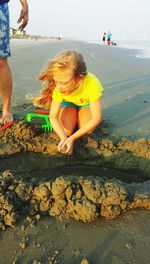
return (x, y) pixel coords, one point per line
(120, 166)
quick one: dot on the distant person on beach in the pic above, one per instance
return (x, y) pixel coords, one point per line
(73, 96)
(5, 71)
(104, 37)
(109, 35)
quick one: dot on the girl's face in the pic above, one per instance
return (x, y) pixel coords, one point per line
(65, 81)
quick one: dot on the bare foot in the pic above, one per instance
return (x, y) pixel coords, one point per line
(7, 118)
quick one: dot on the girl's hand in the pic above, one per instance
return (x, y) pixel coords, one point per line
(68, 144)
(61, 143)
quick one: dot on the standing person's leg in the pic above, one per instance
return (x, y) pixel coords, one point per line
(5, 72)
(5, 90)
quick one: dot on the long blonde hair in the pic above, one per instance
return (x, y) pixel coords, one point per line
(64, 60)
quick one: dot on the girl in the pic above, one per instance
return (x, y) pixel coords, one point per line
(73, 96)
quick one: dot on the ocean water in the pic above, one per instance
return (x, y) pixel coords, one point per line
(141, 46)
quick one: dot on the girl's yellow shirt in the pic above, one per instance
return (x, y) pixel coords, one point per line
(89, 90)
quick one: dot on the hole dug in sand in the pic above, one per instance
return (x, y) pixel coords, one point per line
(98, 181)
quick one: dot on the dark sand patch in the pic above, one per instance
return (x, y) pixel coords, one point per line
(125, 239)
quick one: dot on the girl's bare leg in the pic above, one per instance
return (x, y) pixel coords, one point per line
(68, 119)
(84, 115)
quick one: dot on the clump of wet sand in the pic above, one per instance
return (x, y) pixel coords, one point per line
(24, 136)
(83, 199)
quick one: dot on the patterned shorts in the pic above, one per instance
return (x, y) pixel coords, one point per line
(4, 31)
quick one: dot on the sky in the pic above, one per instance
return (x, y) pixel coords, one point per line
(86, 19)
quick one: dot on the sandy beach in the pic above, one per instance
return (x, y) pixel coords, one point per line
(110, 233)
(124, 76)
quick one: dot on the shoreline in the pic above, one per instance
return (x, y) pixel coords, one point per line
(141, 47)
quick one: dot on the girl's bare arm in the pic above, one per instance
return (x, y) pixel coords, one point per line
(54, 119)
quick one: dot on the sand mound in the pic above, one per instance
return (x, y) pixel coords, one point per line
(83, 199)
